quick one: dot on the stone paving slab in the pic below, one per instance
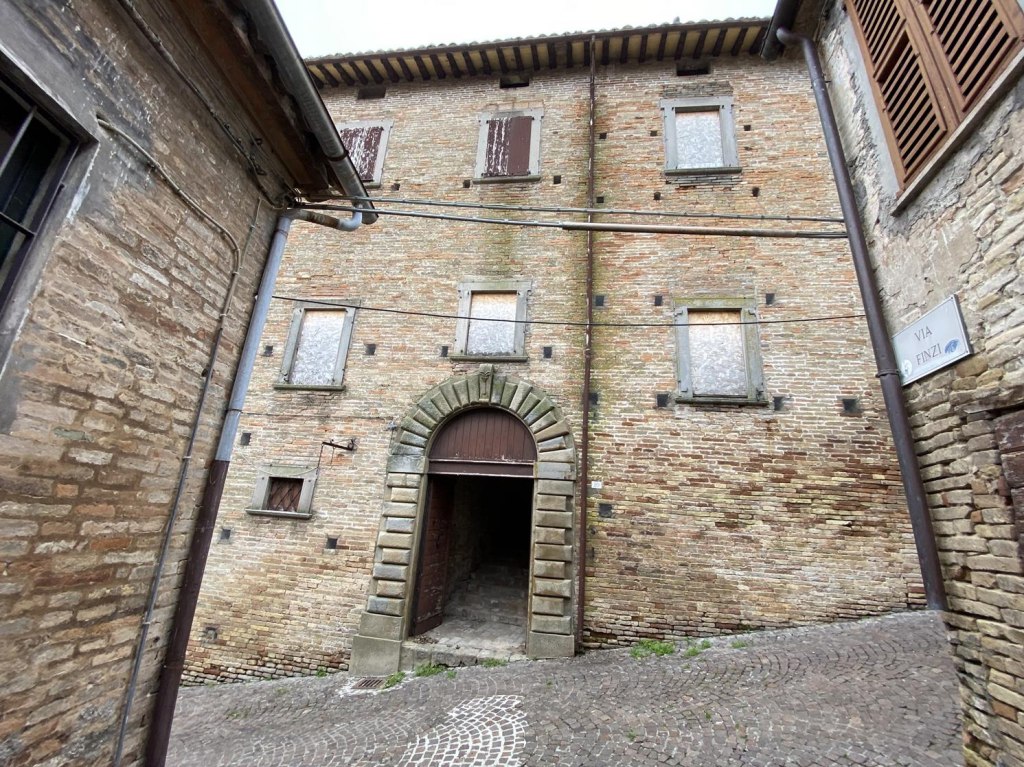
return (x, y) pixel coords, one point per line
(875, 692)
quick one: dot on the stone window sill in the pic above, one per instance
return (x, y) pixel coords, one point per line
(505, 179)
(281, 514)
(723, 171)
(489, 357)
(307, 387)
(687, 399)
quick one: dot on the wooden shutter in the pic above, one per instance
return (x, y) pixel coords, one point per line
(914, 117)
(363, 144)
(977, 39)
(930, 61)
(508, 146)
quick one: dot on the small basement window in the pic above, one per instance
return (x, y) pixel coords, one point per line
(283, 491)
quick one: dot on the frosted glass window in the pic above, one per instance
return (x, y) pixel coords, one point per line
(699, 140)
(717, 357)
(492, 337)
(319, 344)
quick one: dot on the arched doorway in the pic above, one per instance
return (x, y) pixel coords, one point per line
(551, 476)
(474, 550)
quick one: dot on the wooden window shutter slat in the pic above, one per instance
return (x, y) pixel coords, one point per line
(911, 104)
(496, 155)
(363, 144)
(975, 40)
(520, 130)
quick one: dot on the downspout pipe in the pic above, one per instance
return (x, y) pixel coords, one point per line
(272, 33)
(885, 359)
(206, 516)
(588, 358)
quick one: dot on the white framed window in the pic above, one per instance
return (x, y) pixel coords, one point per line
(509, 146)
(284, 491)
(700, 136)
(317, 345)
(492, 320)
(718, 351)
(367, 143)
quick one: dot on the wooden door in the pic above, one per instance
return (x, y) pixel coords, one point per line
(432, 572)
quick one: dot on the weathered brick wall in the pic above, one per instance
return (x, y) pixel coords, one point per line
(102, 382)
(961, 234)
(721, 518)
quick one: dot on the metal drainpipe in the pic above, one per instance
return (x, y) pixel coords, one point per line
(885, 359)
(587, 363)
(206, 516)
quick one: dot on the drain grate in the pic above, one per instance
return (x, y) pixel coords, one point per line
(369, 683)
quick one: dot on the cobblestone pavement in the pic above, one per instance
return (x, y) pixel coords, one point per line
(880, 691)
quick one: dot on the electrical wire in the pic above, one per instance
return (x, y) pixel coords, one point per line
(602, 211)
(585, 226)
(557, 323)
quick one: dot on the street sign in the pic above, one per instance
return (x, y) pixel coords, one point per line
(935, 341)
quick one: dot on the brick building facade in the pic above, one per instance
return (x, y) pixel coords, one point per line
(731, 477)
(944, 215)
(145, 148)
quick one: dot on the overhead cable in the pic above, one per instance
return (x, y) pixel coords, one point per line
(585, 226)
(601, 211)
(559, 323)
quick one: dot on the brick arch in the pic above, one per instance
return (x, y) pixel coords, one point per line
(376, 648)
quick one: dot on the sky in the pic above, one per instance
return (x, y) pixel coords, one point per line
(322, 27)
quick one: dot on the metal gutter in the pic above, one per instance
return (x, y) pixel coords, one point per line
(888, 372)
(271, 31)
(783, 17)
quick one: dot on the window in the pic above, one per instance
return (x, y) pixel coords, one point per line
(699, 135)
(509, 145)
(367, 142)
(492, 320)
(284, 491)
(34, 155)
(719, 357)
(930, 64)
(317, 345)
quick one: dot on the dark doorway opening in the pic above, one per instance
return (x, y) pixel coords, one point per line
(474, 566)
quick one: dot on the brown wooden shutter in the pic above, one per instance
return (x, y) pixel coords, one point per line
(508, 146)
(363, 143)
(912, 106)
(930, 61)
(977, 39)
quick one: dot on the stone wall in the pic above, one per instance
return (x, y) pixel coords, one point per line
(709, 518)
(960, 234)
(102, 373)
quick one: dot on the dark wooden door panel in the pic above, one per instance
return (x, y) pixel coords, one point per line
(431, 578)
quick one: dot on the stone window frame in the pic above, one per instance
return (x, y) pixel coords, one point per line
(261, 491)
(751, 347)
(522, 289)
(291, 343)
(730, 154)
(382, 147)
(481, 151)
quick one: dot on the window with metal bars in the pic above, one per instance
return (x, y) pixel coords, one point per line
(930, 63)
(367, 143)
(509, 145)
(283, 491)
(35, 153)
